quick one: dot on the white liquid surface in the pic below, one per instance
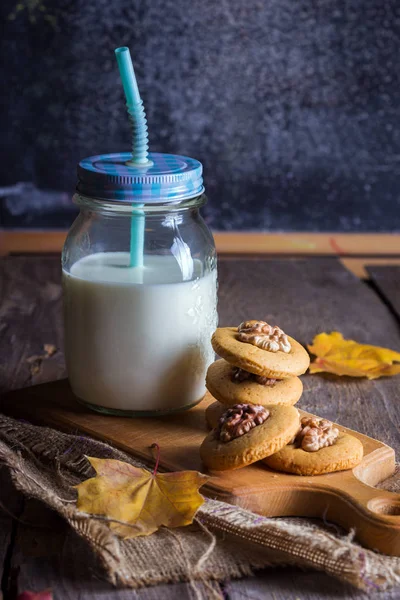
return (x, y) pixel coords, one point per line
(137, 338)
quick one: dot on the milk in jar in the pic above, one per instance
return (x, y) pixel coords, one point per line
(138, 346)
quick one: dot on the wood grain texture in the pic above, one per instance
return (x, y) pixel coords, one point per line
(30, 316)
(307, 243)
(387, 280)
(293, 584)
(358, 266)
(305, 297)
(236, 242)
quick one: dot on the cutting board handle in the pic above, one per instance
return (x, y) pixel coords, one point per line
(373, 514)
(347, 498)
(379, 502)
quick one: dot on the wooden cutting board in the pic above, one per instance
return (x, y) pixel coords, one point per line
(345, 498)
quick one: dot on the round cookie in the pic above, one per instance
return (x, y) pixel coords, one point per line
(213, 413)
(260, 442)
(219, 383)
(256, 360)
(346, 453)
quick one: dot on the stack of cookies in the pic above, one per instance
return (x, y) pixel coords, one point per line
(256, 385)
(260, 364)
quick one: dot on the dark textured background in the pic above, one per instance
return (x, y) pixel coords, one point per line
(292, 106)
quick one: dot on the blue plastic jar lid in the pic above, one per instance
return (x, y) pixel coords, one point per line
(171, 178)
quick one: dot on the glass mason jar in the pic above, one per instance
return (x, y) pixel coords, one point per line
(139, 283)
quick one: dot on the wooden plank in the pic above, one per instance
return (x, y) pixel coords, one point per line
(359, 266)
(293, 584)
(307, 243)
(30, 316)
(387, 280)
(19, 242)
(236, 242)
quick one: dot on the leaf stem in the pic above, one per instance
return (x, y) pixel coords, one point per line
(157, 459)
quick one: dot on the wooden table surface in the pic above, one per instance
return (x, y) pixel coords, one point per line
(304, 297)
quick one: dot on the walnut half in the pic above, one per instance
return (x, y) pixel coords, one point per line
(264, 336)
(239, 375)
(315, 433)
(240, 419)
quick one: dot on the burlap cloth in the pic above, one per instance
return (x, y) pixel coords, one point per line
(224, 542)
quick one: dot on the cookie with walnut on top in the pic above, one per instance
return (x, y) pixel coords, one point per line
(259, 365)
(318, 447)
(261, 349)
(246, 433)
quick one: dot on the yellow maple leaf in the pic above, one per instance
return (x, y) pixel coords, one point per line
(142, 499)
(347, 357)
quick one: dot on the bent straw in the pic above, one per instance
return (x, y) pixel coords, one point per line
(140, 146)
